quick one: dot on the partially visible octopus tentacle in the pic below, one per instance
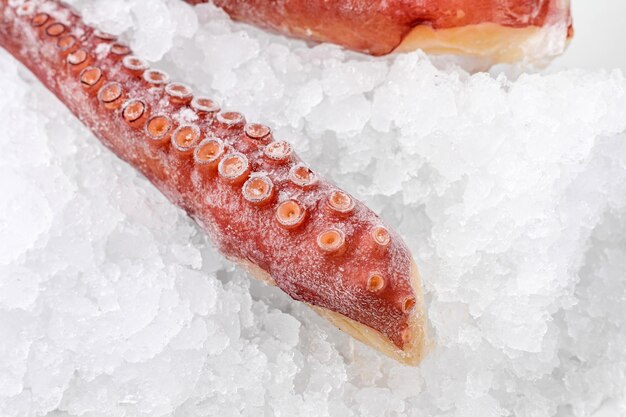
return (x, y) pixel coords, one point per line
(496, 30)
(250, 192)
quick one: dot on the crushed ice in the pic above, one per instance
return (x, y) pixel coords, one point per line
(512, 196)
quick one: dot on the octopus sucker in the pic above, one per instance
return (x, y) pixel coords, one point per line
(303, 234)
(258, 190)
(119, 50)
(179, 93)
(380, 238)
(78, 61)
(375, 282)
(234, 168)
(340, 203)
(258, 133)
(495, 31)
(91, 78)
(205, 106)
(40, 19)
(159, 129)
(135, 65)
(111, 95)
(230, 120)
(290, 214)
(67, 44)
(302, 176)
(156, 77)
(135, 112)
(104, 35)
(56, 29)
(278, 152)
(332, 241)
(185, 139)
(208, 154)
(408, 304)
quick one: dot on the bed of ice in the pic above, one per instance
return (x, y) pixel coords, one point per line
(511, 194)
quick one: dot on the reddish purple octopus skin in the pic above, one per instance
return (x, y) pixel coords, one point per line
(319, 246)
(378, 27)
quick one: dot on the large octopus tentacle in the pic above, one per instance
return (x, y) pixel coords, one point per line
(251, 193)
(497, 30)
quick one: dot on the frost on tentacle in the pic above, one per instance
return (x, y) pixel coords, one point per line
(251, 192)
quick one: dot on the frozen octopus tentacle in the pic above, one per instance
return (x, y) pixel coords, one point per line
(262, 206)
(496, 30)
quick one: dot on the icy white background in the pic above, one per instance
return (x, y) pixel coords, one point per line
(512, 196)
(599, 27)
